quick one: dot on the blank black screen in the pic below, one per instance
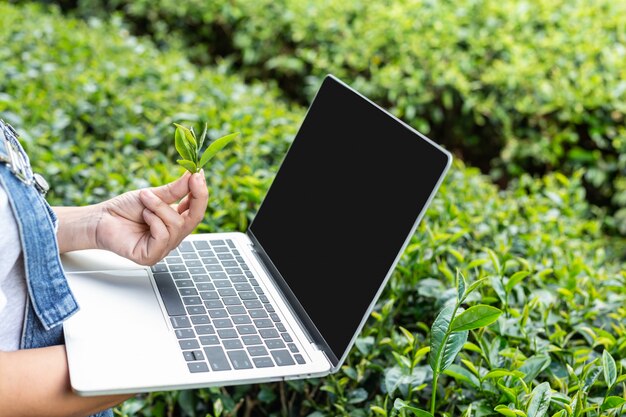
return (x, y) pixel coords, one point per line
(342, 205)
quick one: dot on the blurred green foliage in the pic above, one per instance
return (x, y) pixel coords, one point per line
(95, 108)
(511, 86)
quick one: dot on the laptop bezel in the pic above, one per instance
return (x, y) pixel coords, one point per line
(298, 310)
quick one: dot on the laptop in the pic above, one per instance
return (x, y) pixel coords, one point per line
(287, 298)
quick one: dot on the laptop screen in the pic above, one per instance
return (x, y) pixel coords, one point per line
(344, 202)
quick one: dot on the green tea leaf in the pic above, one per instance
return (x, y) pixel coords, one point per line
(402, 405)
(506, 411)
(515, 279)
(476, 316)
(215, 147)
(181, 144)
(460, 284)
(203, 136)
(609, 368)
(540, 400)
(533, 366)
(461, 374)
(188, 165)
(444, 345)
(612, 402)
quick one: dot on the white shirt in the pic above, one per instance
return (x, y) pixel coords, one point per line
(12, 278)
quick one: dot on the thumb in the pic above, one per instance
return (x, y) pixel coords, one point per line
(174, 191)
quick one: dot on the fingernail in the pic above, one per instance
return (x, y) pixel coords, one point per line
(203, 177)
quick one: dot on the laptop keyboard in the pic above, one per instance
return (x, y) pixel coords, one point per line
(220, 314)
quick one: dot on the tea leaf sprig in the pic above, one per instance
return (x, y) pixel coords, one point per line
(189, 147)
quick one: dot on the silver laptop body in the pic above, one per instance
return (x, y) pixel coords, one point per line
(277, 302)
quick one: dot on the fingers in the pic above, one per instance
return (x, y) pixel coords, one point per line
(172, 220)
(174, 191)
(157, 244)
(197, 201)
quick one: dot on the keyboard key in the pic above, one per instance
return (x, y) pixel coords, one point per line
(169, 294)
(209, 340)
(246, 329)
(227, 292)
(299, 359)
(274, 317)
(217, 359)
(205, 286)
(251, 340)
(282, 357)
(174, 260)
(243, 287)
(213, 304)
(252, 304)
(197, 271)
(269, 308)
(224, 256)
(238, 278)
(264, 323)
(218, 313)
(195, 367)
(191, 301)
(222, 283)
(209, 295)
(193, 264)
(258, 290)
(186, 292)
(233, 310)
(222, 323)
(268, 333)
(227, 334)
(241, 320)
(257, 351)
(286, 337)
(189, 255)
(160, 267)
(264, 299)
(205, 329)
(235, 252)
(230, 301)
(185, 246)
(198, 355)
(239, 359)
(177, 268)
(201, 278)
(173, 252)
(281, 327)
(214, 268)
(205, 253)
(265, 362)
(257, 313)
(188, 344)
(210, 261)
(247, 295)
(239, 259)
(254, 282)
(201, 244)
(218, 275)
(217, 242)
(229, 264)
(274, 344)
(230, 243)
(292, 347)
(196, 310)
(249, 274)
(233, 271)
(180, 321)
(220, 249)
(184, 283)
(233, 344)
(200, 319)
(184, 333)
(244, 266)
(188, 355)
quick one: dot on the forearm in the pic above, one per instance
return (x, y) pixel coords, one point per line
(35, 382)
(77, 227)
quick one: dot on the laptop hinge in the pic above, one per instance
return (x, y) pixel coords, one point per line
(310, 330)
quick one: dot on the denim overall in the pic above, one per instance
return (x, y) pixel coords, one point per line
(49, 300)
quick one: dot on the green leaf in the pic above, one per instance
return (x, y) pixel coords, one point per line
(203, 136)
(533, 366)
(494, 260)
(215, 147)
(612, 402)
(402, 405)
(188, 165)
(460, 284)
(474, 317)
(515, 279)
(506, 411)
(540, 400)
(608, 366)
(591, 378)
(191, 141)
(461, 374)
(444, 345)
(473, 286)
(181, 143)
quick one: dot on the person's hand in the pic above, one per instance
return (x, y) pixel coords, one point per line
(143, 226)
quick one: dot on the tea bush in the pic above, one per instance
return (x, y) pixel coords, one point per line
(511, 86)
(95, 107)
